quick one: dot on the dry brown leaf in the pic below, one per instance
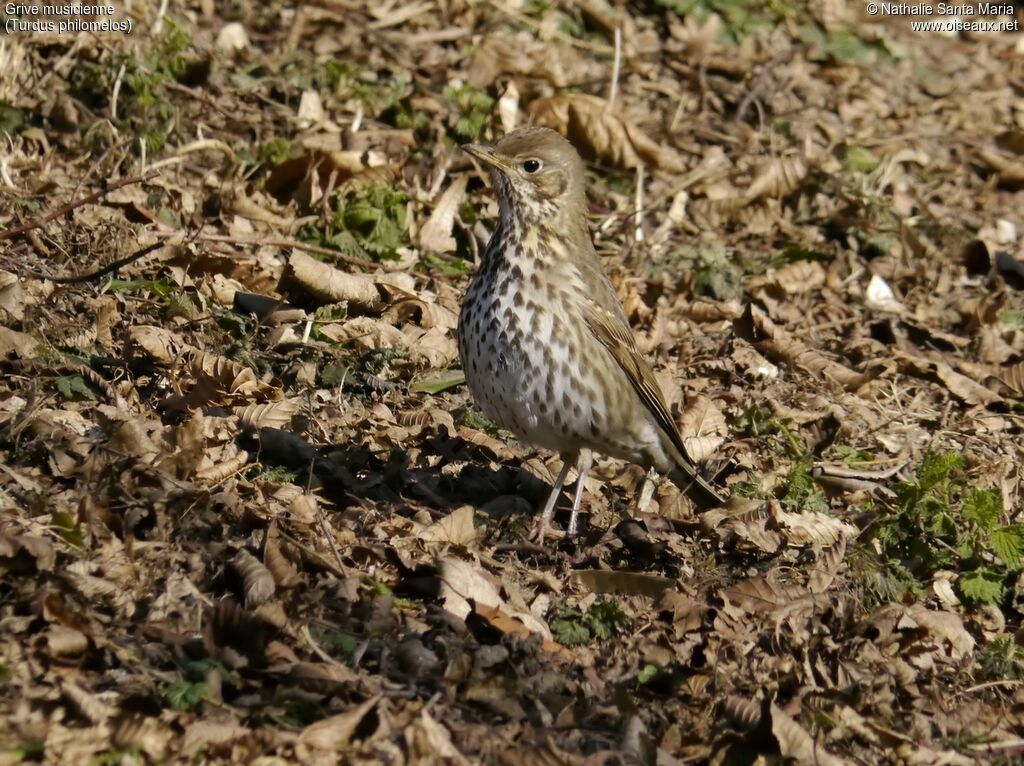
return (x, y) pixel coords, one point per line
(777, 177)
(257, 582)
(959, 385)
(772, 340)
(1013, 377)
(160, 345)
(436, 234)
(332, 285)
(333, 734)
(796, 744)
(17, 345)
(284, 572)
(456, 528)
(703, 428)
(600, 132)
(799, 277)
(275, 414)
(946, 627)
(809, 528)
(427, 740)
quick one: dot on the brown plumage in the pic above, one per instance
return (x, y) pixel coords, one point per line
(545, 344)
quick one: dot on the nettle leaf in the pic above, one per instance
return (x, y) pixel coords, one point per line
(74, 388)
(983, 507)
(570, 629)
(1008, 544)
(936, 468)
(981, 586)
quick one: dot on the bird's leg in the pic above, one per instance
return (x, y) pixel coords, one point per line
(549, 507)
(583, 463)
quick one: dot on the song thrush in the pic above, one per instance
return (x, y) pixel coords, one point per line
(545, 344)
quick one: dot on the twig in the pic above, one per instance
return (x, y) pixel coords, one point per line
(99, 272)
(639, 206)
(116, 91)
(613, 91)
(17, 231)
(760, 81)
(274, 242)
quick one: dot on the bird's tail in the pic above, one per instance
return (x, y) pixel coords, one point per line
(685, 477)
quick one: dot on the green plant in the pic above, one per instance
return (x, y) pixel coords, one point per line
(600, 622)
(371, 223)
(73, 388)
(937, 523)
(740, 17)
(471, 107)
(1002, 658)
(185, 695)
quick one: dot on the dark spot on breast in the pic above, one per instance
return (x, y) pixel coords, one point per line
(517, 299)
(517, 273)
(535, 282)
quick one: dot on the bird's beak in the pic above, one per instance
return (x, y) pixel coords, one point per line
(485, 154)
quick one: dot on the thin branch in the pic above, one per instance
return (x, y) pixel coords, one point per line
(613, 91)
(88, 199)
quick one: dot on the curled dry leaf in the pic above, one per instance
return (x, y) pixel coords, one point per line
(462, 583)
(436, 234)
(257, 581)
(428, 741)
(226, 379)
(333, 734)
(799, 277)
(367, 332)
(331, 285)
(946, 628)
(160, 345)
(796, 745)
(702, 427)
(813, 529)
(275, 414)
(778, 177)
(1013, 378)
(962, 387)
(769, 338)
(601, 132)
(456, 528)
(17, 345)
(284, 572)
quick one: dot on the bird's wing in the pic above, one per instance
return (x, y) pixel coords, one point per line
(615, 335)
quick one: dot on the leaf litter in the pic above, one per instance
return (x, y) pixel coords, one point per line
(250, 514)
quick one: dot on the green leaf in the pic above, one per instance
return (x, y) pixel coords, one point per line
(982, 585)
(607, 619)
(1012, 318)
(860, 160)
(1008, 544)
(647, 672)
(184, 695)
(983, 507)
(936, 468)
(570, 631)
(442, 381)
(74, 388)
(67, 528)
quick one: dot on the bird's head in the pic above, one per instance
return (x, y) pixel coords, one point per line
(537, 174)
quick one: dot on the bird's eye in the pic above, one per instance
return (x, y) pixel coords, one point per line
(531, 166)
